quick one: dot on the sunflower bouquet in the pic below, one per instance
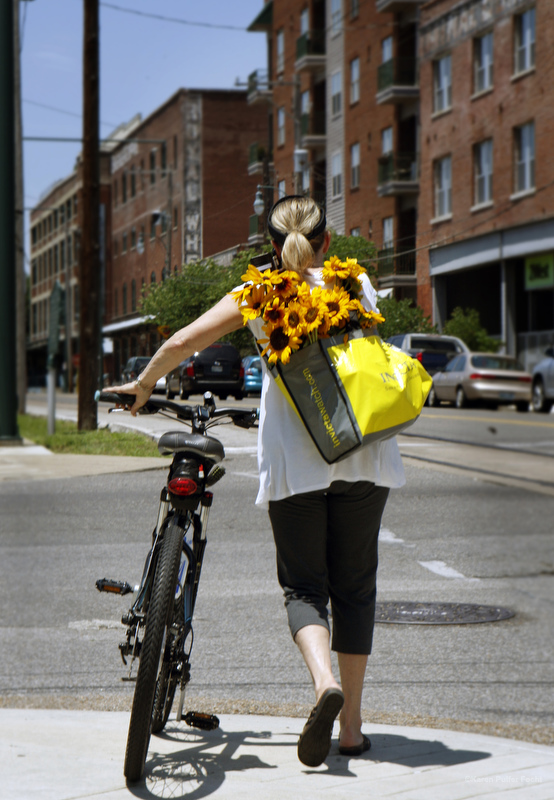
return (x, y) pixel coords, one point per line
(294, 315)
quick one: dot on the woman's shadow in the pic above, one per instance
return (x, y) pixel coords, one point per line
(201, 761)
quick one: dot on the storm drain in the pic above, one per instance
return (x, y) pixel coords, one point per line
(439, 613)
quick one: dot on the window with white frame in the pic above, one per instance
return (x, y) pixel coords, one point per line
(280, 50)
(388, 233)
(442, 83)
(355, 232)
(281, 125)
(281, 189)
(336, 16)
(524, 41)
(354, 8)
(336, 173)
(386, 141)
(483, 63)
(482, 169)
(443, 186)
(304, 21)
(355, 80)
(524, 156)
(386, 50)
(336, 93)
(355, 165)
(306, 179)
(305, 102)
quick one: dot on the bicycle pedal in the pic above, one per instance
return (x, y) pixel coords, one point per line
(215, 475)
(115, 587)
(196, 719)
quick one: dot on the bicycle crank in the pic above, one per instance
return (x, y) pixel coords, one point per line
(196, 719)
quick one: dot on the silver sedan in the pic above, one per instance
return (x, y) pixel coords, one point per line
(484, 378)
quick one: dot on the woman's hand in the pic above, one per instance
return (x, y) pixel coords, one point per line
(141, 393)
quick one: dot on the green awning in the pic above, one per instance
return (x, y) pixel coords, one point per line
(264, 20)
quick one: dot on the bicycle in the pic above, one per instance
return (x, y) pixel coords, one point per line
(159, 623)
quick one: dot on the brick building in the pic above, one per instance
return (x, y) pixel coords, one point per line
(344, 118)
(180, 192)
(486, 203)
(55, 226)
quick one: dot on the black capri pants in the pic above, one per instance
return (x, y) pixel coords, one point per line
(326, 545)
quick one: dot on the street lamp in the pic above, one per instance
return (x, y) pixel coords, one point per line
(259, 203)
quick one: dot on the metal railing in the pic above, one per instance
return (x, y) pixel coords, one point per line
(397, 167)
(397, 72)
(256, 153)
(258, 81)
(311, 43)
(313, 124)
(396, 261)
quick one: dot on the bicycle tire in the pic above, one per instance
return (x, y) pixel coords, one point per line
(166, 682)
(157, 619)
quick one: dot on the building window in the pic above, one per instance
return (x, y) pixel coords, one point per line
(482, 160)
(386, 50)
(281, 190)
(124, 298)
(388, 233)
(281, 125)
(355, 165)
(336, 16)
(443, 186)
(124, 243)
(153, 277)
(133, 182)
(336, 93)
(175, 217)
(336, 172)
(442, 84)
(152, 166)
(306, 179)
(124, 188)
(355, 232)
(386, 141)
(524, 41)
(355, 80)
(133, 238)
(354, 12)
(163, 157)
(524, 152)
(483, 63)
(280, 50)
(304, 21)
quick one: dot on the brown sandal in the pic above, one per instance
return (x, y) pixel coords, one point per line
(315, 740)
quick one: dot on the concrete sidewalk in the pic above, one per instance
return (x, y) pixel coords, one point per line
(58, 755)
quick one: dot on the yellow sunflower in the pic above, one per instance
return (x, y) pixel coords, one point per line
(314, 310)
(253, 303)
(338, 305)
(274, 311)
(294, 318)
(334, 268)
(279, 344)
(284, 283)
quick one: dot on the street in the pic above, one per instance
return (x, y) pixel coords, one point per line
(447, 537)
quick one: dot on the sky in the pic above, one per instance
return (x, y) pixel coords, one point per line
(143, 61)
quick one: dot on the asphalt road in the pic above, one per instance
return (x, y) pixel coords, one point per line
(446, 537)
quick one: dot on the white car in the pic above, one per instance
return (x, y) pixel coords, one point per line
(543, 382)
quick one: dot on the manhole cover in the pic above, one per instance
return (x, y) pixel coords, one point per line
(439, 613)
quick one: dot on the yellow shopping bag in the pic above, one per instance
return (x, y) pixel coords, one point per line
(349, 393)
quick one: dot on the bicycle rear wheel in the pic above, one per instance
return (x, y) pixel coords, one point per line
(159, 617)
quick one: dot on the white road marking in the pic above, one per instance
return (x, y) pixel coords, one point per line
(440, 568)
(388, 536)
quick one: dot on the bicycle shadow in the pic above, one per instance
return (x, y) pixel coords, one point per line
(199, 768)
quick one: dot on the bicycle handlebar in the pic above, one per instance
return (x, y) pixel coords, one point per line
(244, 418)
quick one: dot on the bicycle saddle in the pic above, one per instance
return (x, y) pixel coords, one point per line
(179, 441)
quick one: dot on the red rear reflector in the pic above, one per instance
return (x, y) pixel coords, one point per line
(182, 486)
(241, 372)
(525, 378)
(190, 370)
(419, 357)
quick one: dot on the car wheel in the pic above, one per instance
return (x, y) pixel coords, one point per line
(432, 399)
(168, 393)
(461, 399)
(184, 395)
(538, 400)
(522, 407)
(222, 396)
(239, 395)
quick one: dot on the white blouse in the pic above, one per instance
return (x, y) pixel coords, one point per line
(289, 462)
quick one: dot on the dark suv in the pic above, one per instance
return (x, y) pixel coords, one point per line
(133, 368)
(216, 369)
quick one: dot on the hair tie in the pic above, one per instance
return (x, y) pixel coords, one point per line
(279, 237)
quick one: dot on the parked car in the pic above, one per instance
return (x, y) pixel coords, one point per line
(252, 366)
(432, 349)
(134, 367)
(216, 369)
(543, 383)
(486, 378)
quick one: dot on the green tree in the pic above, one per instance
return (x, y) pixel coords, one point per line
(402, 316)
(466, 325)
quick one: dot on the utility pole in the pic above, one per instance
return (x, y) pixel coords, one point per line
(19, 265)
(9, 432)
(89, 279)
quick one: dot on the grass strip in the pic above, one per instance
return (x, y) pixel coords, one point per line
(68, 439)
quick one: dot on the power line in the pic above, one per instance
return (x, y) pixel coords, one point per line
(64, 111)
(177, 20)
